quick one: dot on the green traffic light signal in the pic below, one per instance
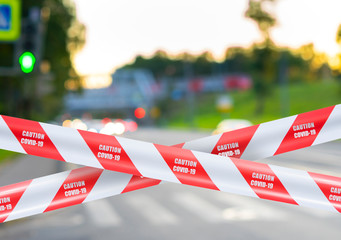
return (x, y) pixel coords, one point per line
(27, 61)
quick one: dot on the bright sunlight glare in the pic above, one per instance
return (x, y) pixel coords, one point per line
(117, 31)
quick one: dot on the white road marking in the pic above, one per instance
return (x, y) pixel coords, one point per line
(102, 213)
(200, 207)
(53, 219)
(153, 211)
(244, 208)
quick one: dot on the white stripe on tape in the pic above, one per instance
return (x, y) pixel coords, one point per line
(69, 144)
(224, 174)
(8, 140)
(147, 159)
(302, 188)
(331, 129)
(203, 144)
(33, 201)
(108, 184)
(270, 135)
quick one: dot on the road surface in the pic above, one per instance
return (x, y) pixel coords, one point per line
(173, 211)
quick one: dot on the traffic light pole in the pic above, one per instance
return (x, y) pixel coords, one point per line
(27, 49)
(9, 71)
(14, 70)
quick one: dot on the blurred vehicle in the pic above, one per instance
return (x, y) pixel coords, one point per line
(213, 83)
(130, 89)
(238, 82)
(231, 124)
(105, 126)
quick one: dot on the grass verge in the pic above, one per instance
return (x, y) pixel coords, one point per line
(298, 98)
(6, 155)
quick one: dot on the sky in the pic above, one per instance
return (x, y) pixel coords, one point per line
(118, 30)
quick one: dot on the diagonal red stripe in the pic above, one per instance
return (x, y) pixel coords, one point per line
(179, 145)
(233, 144)
(137, 182)
(263, 181)
(9, 197)
(75, 188)
(331, 188)
(109, 152)
(32, 138)
(186, 167)
(304, 130)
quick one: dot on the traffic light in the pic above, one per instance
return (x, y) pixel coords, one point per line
(29, 35)
(27, 61)
(30, 40)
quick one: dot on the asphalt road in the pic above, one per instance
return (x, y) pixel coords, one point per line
(173, 211)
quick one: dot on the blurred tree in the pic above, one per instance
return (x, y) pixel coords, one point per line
(264, 74)
(63, 35)
(202, 64)
(237, 60)
(338, 35)
(299, 63)
(162, 64)
(263, 18)
(338, 40)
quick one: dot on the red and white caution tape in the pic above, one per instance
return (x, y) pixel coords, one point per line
(188, 167)
(119, 154)
(275, 137)
(65, 189)
(236, 176)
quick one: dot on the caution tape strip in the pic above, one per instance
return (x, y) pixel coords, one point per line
(121, 154)
(274, 137)
(240, 177)
(201, 171)
(65, 189)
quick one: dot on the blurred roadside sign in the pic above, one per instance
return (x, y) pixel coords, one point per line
(224, 104)
(9, 20)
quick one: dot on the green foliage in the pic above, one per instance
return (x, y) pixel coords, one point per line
(338, 35)
(261, 62)
(6, 155)
(303, 97)
(63, 36)
(160, 64)
(203, 64)
(163, 65)
(263, 18)
(266, 64)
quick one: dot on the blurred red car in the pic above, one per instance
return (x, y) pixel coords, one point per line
(238, 82)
